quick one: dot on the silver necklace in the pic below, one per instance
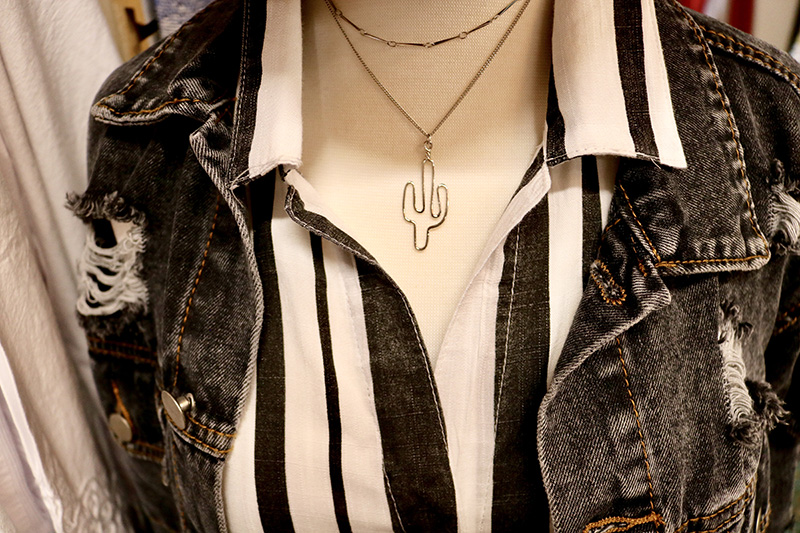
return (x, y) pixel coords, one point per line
(434, 212)
(426, 44)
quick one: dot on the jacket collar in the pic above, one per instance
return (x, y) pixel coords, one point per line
(701, 218)
(684, 190)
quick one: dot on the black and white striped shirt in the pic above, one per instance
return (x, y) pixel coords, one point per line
(349, 427)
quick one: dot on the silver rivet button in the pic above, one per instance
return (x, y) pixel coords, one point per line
(120, 428)
(177, 407)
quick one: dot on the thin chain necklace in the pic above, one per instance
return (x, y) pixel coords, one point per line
(436, 212)
(426, 44)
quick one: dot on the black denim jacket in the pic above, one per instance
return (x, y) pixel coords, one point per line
(665, 412)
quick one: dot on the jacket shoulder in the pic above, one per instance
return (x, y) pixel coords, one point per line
(755, 56)
(166, 75)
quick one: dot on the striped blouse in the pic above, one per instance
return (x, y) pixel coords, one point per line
(348, 426)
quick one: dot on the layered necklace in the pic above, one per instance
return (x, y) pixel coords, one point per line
(419, 209)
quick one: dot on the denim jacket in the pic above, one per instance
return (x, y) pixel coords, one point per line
(670, 406)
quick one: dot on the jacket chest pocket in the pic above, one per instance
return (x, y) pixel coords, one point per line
(702, 408)
(663, 426)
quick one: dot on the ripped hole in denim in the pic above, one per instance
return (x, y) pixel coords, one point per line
(784, 227)
(732, 333)
(110, 278)
(754, 407)
(109, 269)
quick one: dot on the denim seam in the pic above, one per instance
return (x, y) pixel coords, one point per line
(150, 63)
(623, 523)
(225, 110)
(212, 430)
(730, 519)
(122, 355)
(603, 291)
(143, 444)
(790, 321)
(136, 347)
(669, 264)
(140, 454)
(195, 439)
(160, 106)
(642, 268)
(786, 326)
(774, 68)
(639, 428)
(717, 84)
(767, 520)
(726, 522)
(785, 74)
(746, 495)
(785, 314)
(191, 294)
(121, 406)
(238, 111)
(606, 231)
(636, 218)
(179, 500)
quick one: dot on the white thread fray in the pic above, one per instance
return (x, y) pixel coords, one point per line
(734, 371)
(784, 217)
(744, 423)
(787, 220)
(110, 278)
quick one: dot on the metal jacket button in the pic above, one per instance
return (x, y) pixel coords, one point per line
(177, 407)
(120, 428)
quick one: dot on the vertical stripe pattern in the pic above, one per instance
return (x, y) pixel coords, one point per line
(273, 503)
(592, 221)
(362, 455)
(659, 97)
(609, 92)
(419, 484)
(566, 217)
(591, 100)
(306, 409)
(331, 389)
(522, 345)
(630, 57)
(354, 430)
(556, 150)
(374, 455)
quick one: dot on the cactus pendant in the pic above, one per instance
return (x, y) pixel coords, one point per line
(431, 210)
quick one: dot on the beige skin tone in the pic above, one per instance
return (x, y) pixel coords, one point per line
(359, 151)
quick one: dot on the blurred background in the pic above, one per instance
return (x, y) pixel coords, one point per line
(135, 23)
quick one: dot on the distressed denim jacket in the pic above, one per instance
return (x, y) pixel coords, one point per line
(670, 406)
